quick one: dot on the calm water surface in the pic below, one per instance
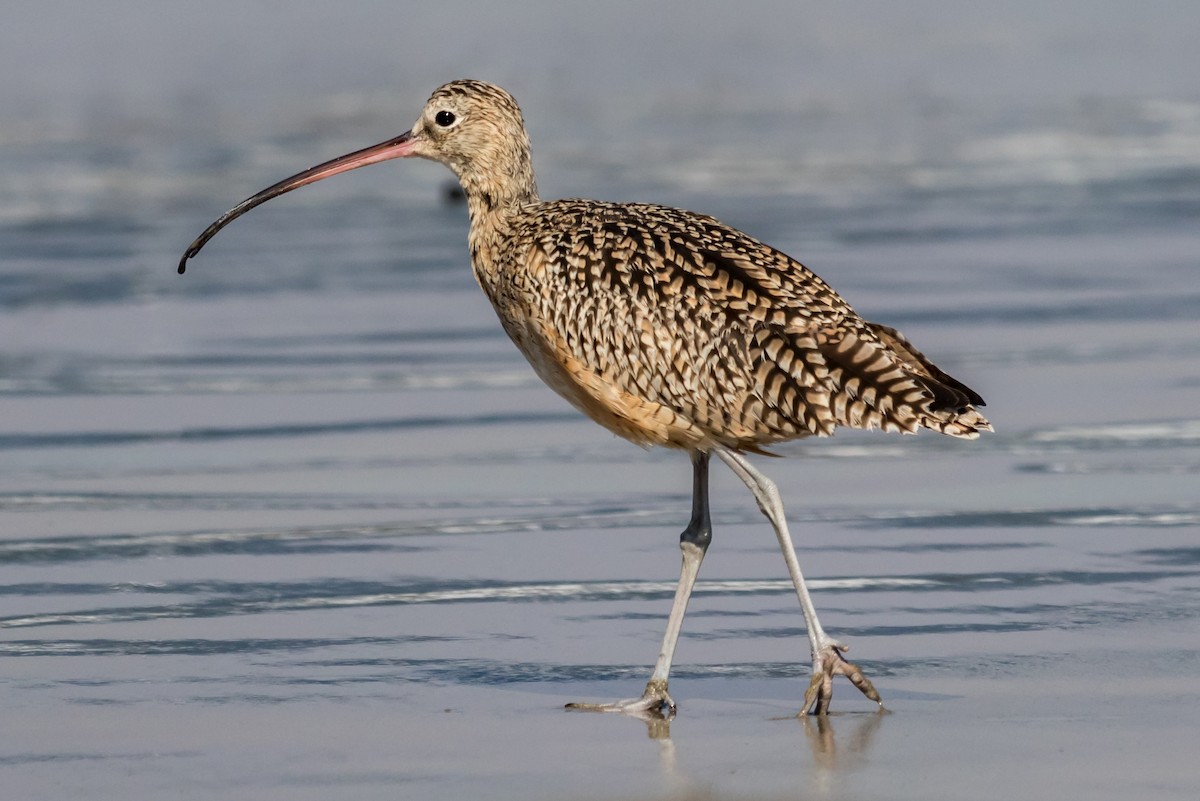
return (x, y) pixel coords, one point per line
(304, 524)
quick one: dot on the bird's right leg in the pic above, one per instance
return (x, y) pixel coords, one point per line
(693, 543)
(826, 651)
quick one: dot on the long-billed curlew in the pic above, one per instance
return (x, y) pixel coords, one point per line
(668, 328)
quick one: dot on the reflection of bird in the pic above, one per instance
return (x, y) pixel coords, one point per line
(829, 763)
(668, 328)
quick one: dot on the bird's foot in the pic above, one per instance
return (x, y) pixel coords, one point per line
(655, 704)
(827, 663)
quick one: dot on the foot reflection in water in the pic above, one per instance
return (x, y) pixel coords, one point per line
(831, 760)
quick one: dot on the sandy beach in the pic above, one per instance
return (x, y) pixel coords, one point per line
(303, 523)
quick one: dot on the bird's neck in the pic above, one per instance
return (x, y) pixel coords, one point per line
(494, 200)
(497, 179)
(494, 194)
(492, 204)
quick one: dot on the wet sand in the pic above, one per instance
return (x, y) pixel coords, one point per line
(949, 737)
(283, 590)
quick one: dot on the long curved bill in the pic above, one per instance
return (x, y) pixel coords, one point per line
(403, 145)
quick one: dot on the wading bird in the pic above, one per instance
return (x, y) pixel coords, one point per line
(667, 328)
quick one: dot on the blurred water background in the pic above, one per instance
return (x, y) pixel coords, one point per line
(303, 524)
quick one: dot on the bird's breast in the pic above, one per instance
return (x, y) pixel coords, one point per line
(574, 342)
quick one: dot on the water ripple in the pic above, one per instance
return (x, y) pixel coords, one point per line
(1147, 517)
(343, 538)
(230, 599)
(84, 439)
(1161, 434)
(197, 647)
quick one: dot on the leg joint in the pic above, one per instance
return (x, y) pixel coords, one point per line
(698, 534)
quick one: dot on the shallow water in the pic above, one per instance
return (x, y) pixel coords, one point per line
(304, 524)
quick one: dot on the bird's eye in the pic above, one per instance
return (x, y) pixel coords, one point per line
(445, 118)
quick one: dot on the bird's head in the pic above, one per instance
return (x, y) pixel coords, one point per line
(472, 127)
(475, 129)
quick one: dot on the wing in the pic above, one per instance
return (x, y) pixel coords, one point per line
(729, 340)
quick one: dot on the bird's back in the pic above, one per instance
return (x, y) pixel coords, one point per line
(672, 328)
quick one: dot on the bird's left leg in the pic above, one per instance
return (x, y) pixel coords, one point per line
(826, 651)
(693, 543)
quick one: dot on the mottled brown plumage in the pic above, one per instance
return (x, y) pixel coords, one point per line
(668, 328)
(671, 328)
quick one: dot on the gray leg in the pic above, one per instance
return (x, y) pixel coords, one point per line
(693, 543)
(826, 651)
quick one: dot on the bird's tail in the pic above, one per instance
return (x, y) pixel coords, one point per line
(887, 383)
